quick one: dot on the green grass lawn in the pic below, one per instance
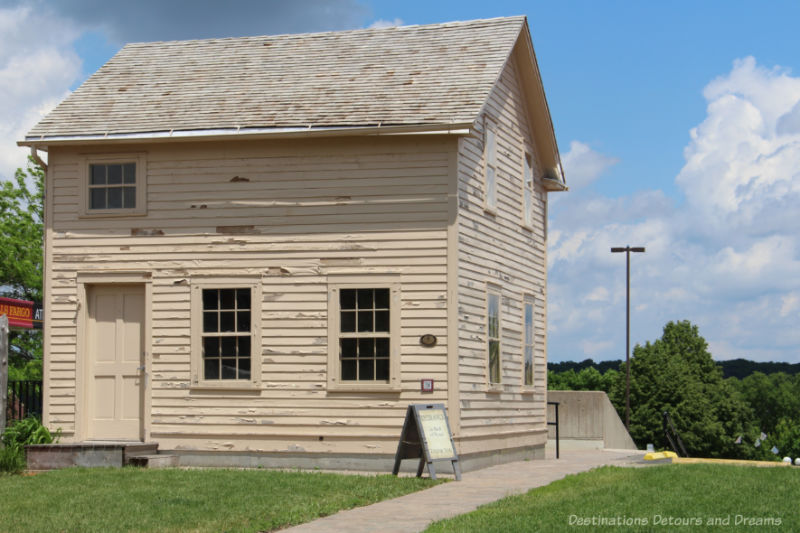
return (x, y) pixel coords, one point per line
(735, 497)
(131, 499)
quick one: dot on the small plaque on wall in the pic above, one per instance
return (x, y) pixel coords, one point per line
(426, 385)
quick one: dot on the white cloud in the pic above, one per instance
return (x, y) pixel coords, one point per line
(582, 165)
(36, 71)
(727, 258)
(380, 23)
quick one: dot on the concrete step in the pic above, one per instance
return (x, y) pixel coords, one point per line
(86, 454)
(154, 461)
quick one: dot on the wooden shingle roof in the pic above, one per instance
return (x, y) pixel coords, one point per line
(413, 75)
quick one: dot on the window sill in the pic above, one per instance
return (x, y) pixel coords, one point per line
(335, 386)
(495, 388)
(113, 214)
(234, 386)
(527, 227)
(491, 211)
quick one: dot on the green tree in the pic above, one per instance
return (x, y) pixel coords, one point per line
(21, 243)
(677, 374)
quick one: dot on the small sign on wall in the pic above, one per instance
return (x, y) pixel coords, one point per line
(426, 385)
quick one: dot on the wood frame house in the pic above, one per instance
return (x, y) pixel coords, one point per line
(256, 249)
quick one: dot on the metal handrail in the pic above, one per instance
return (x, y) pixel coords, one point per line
(668, 426)
(555, 404)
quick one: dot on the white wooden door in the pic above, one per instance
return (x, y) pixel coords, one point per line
(115, 333)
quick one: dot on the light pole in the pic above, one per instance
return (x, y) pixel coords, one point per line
(628, 250)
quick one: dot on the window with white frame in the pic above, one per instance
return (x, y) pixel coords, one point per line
(528, 192)
(363, 330)
(490, 161)
(225, 333)
(113, 185)
(528, 340)
(493, 334)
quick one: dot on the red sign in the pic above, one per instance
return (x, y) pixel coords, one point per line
(19, 312)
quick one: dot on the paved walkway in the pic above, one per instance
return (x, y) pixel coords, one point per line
(414, 512)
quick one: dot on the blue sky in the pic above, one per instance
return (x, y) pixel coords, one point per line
(678, 123)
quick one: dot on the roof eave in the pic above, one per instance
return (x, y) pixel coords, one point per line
(539, 112)
(454, 128)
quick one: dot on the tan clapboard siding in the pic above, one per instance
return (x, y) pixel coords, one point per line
(314, 209)
(497, 249)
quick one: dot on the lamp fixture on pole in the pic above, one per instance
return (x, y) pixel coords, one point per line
(627, 250)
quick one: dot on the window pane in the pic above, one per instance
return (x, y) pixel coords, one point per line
(243, 321)
(381, 320)
(97, 199)
(210, 323)
(365, 299)
(114, 174)
(228, 368)
(494, 361)
(528, 172)
(244, 368)
(382, 369)
(114, 198)
(382, 347)
(528, 365)
(128, 197)
(97, 174)
(211, 347)
(493, 318)
(211, 368)
(347, 299)
(244, 347)
(228, 346)
(365, 321)
(227, 321)
(491, 188)
(348, 321)
(243, 299)
(227, 299)
(366, 348)
(210, 299)
(129, 173)
(528, 323)
(381, 298)
(528, 208)
(349, 347)
(349, 370)
(366, 369)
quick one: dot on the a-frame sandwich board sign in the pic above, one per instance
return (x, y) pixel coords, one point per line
(426, 435)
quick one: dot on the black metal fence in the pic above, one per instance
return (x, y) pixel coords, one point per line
(24, 399)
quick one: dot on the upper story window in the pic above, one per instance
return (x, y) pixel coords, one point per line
(528, 191)
(364, 333)
(114, 185)
(490, 162)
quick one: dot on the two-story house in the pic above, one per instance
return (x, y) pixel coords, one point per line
(257, 249)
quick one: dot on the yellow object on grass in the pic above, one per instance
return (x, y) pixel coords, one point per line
(654, 456)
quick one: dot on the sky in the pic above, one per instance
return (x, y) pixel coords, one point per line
(678, 125)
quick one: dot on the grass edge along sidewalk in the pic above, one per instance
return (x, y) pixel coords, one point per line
(131, 499)
(658, 498)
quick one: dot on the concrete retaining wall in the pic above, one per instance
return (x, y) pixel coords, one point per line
(587, 420)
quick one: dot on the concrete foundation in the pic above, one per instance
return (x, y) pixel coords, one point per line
(367, 463)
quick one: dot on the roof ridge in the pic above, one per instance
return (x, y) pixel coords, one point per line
(472, 22)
